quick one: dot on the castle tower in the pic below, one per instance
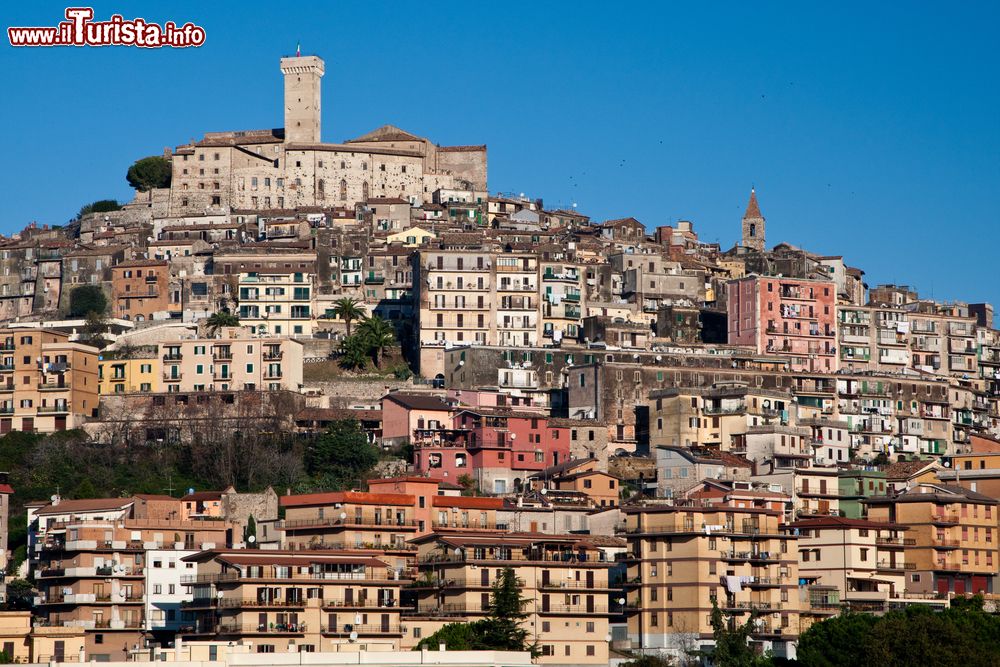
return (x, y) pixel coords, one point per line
(753, 225)
(302, 98)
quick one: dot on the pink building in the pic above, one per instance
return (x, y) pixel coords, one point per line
(405, 413)
(498, 448)
(790, 317)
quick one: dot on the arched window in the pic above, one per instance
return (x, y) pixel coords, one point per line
(343, 189)
(364, 191)
(320, 188)
(753, 229)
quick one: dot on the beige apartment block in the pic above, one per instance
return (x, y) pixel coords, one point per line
(278, 303)
(286, 600)
(865, 561)
(46, 382)
(683, 556)
(232, 362)
(564, 579)
(955, 537)
(719, 416)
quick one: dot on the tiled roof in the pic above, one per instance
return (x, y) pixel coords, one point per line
(468, 502)
(85, 505)
(417, 401)
(351, 497)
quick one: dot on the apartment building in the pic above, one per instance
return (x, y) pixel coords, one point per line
(794, 318)
(864, 560)
(954, 533)
(561, 297)
(137, 369)
(26, 642)
(92, 557)
(586, 479)
(943, 339)
(683, 556)
(499, 448)
(234, 361)
(873, 338)
(564, 579)
(719, 416)
(140, 290)
(350, 520)
(456, 299)
(47, 383)
(276, 303)
(296, 601)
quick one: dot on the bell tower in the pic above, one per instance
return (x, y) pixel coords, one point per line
(753, 225)
(302, 98)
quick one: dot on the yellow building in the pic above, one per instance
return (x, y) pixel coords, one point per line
(23, 643)
(129, 372)
(410, 238)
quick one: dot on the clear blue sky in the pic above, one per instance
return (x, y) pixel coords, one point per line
(870, 130)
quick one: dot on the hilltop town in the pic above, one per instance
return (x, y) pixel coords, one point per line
(638, 424)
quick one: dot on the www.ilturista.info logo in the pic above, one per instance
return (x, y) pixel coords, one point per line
(79, 29)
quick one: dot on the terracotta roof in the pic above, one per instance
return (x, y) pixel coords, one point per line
(753, 210)
(351, 497)
(468, 502)
(6, 488)
(418, 401)
(386, 133)
(905, 469)
(85, 505)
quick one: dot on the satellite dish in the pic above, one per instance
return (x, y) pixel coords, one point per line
(251, 539)
(220, 595)
(354, 636)
(343, 515)
(621, 600)
(544, 491)
(458, 552)
(54, 498)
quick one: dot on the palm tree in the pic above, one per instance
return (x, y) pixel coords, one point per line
(354, 353)
(378, 335)
(219, 319)
(348, 310)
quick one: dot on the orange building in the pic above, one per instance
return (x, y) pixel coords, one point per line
(140, 289)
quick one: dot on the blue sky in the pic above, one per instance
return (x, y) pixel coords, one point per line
(870, 130)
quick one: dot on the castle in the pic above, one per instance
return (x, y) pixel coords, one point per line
(290, 167)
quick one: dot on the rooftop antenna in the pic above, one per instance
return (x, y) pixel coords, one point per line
(169, 488)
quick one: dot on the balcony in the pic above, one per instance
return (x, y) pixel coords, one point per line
(173, 356)
(273, 356)
(889, 566)
(48, 409)
(262, 629)
(363, 630)
(945, 519)
(895, 542)
(250, 603)
(944, 543)
(573, 609)
(222, 355)
(52, 386)
(750, 556)
(172, 377)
